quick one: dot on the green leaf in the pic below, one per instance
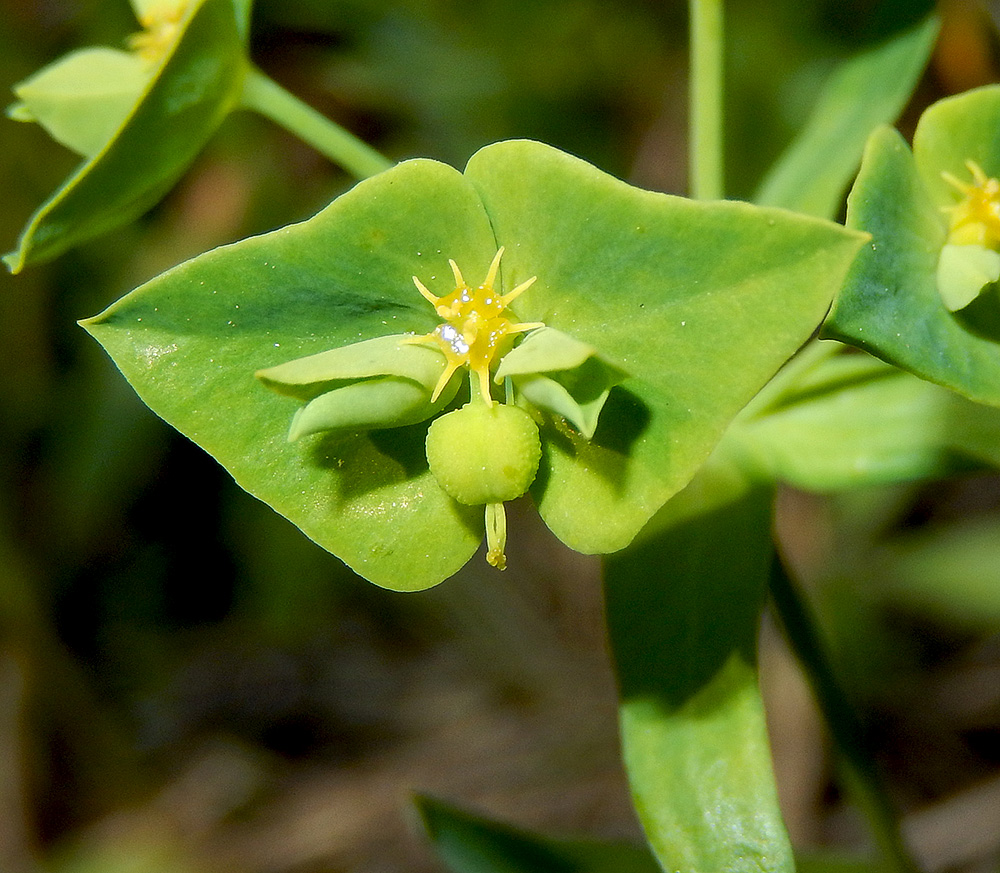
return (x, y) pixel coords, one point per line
(951, 573)
(180, 108)
(664, 289)
(683, 607)
(578, 382)
(472, 844)
(863, 93)
(891, 304)
(371, 404)
(313, 375)
(668, 290)
(963, 272)
(83, 98)
(190, 342)
(854, 421)
(544, 351)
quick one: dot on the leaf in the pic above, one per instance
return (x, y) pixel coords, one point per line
(313, 375)
(186, 100)
(698, 302)
(866, 91)
(83, 98)
(472, 844)
(190, 342)
(949, 572)
(963, 271)
(544, 351)
(384, 402)
(854, 421)
(578, 383)
(891, 305)
(683, 607)
(623, 271)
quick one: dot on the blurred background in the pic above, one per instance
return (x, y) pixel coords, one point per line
(188, 684)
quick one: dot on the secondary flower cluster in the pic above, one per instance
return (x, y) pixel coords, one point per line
(970, 259)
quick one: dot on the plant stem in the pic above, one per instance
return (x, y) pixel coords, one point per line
(262, 94)
(705, 99)
(848, 732)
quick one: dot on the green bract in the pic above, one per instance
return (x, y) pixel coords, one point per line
(138, 118)
(693, 306)
(923, 296)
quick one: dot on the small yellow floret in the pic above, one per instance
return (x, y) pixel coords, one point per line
(976, 219)
(475, 327)
(161, 26)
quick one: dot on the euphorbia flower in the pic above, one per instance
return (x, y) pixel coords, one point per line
(924, 295)
(662, 318)
(137, 117)
(478, 454)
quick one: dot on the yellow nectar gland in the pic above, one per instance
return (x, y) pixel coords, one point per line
(976, 219)
(475, 326)
(160, 27)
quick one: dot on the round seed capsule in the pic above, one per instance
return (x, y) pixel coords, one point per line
(484, 454)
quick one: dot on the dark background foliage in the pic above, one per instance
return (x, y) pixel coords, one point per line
(187, 683)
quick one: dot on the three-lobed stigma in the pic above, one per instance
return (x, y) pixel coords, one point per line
(476, 326)
(975, 220)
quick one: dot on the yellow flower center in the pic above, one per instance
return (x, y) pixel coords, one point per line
(161, 25)
(475, 328)
(975, 220)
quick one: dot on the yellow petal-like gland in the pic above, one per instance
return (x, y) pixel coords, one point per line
(161, 25)
(476, 329)
(975, 220)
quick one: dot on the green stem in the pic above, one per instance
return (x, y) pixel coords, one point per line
(847, 730)
(262, 94)
(705, 93)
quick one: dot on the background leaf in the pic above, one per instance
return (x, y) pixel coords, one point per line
(866, 91)
(180, 109)
(471, 844)
(682, 610)
(853, 421)
(700, 303)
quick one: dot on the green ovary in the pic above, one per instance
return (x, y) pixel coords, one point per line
(483, 454)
